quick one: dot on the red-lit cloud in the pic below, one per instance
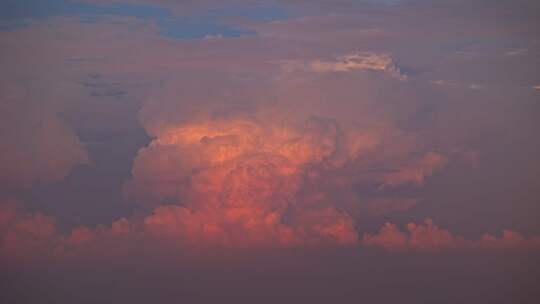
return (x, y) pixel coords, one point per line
(251, 147)
(24, 234)
(236, 179)
(415, 172)
(428, 237)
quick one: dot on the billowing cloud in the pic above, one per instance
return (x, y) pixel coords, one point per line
(30, 235)
(238, 182)
(429, 237)
(385, 205)
(218, 163)
(415, 172)
(241, 155)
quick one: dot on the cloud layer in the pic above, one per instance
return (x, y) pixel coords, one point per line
(303, 135)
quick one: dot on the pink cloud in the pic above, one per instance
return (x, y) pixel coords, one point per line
(428, 237)
(37, 144)
(236, 178)
(389, 237)
(226, 159)
(388, 205)
(25, 235)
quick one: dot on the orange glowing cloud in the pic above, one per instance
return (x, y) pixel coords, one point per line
(236, 179)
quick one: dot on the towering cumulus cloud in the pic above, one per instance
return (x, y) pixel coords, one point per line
(237, 182)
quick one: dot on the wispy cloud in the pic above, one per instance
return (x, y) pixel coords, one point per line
(363, 61)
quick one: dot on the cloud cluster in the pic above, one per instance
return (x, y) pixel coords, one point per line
(429, 237)
(416, 172)
(23, 234)
(226, 166)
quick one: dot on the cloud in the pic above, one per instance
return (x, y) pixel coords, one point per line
(31, 235)
(509, 239)
(233, 158)
(237, 179)
(259, 158)
(389, 237)
(294, 167)
(428, 237)
(25, 235)
(364, 61)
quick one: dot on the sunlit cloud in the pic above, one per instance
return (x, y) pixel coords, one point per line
(313, 147)
(38, 145)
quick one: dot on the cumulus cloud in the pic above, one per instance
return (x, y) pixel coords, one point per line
(237, 180)
(25, 234)
(242, 152)
(180, 8)
(217, 171)
(416, 172)
(429, 237)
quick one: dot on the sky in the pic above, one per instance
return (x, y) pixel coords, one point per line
(269, 151)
